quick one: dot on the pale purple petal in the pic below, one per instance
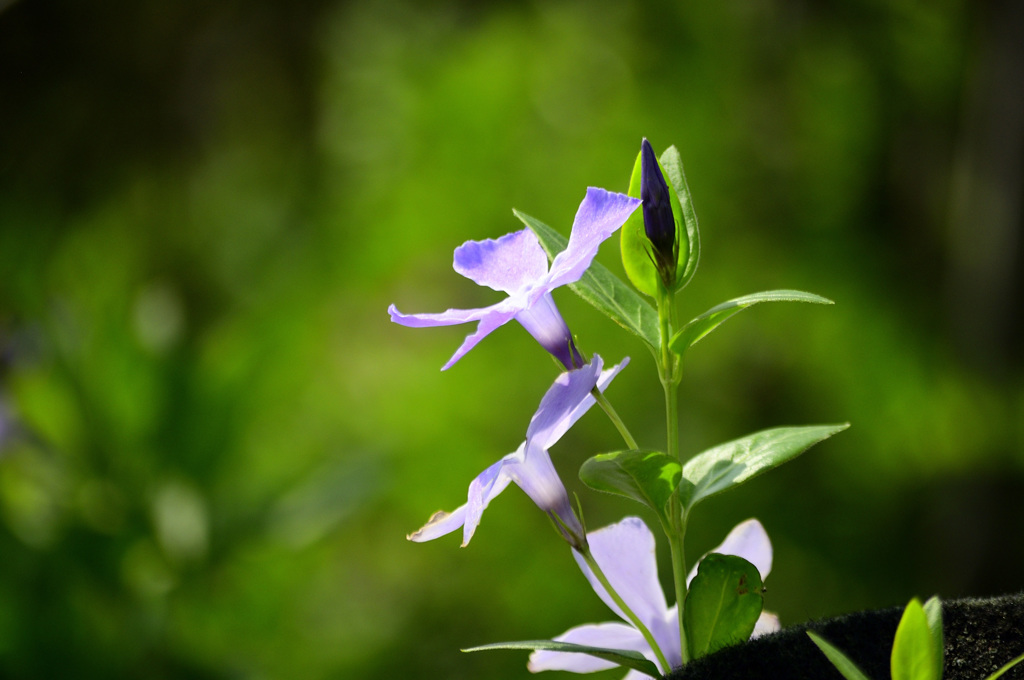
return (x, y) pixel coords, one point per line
(569, 391)
(606, 635)
(439, 524)
(450, 317)
(567, 400)
(625, 553)
(766, 623)
(602, 384)
(489, 318)
(536, 475)
(666, 634)
(748, 540)
(509, 264)
(599, 215)
(484, 488)
(544, 322)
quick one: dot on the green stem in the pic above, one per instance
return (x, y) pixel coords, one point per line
(669, 370)
(637, 623)
(614, 417)
(679, 571)
(671, 419)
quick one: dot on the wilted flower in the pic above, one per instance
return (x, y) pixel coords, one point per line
(530, 465)
(517, 265)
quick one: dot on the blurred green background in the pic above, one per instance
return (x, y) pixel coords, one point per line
(213, 441)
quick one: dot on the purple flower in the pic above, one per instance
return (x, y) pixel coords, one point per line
(625, 553)
(516, 264)
(530, 465)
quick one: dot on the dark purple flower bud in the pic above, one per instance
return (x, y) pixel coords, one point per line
(659, 223)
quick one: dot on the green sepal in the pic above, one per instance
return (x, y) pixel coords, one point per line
(723, 603)
(601, 288)
(672, 164)
(650, 477)
(913, 649)
(700, 326)
(636, 247)
(728, 465)
(622, 657)
(843, 663)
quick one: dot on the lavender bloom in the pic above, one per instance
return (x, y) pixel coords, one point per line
(625, 553)
(517, 265)
(659, 223)
(530, 465)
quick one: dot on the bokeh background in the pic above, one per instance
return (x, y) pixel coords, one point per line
(213, 441)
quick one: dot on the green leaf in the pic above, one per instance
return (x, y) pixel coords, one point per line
(913, 654)
(933, 610)
(700, 326)
(602, 289)
(842, 662)
(635, 245)
(672, 164)
(722, 603)
(622, 657)
(650, 477)
(1006, 667)
(727, 465)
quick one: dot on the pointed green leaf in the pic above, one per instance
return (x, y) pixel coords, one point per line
(700, 326)
(730, 464)
(1006, 667)
(650, 477)
(933, 610)
(722, 603)
(602, 289)
(635, 245)
(913, 654)
(622, 657)
(672, 164)
(842, 662)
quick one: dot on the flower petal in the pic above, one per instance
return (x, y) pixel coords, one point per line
(489, 318)
(482, 489)
(666, 634)
(748, 540)
(625, 553)
(536, 475)
(599, 215)
(567, 400)
(544, 322)
(439, 524)
(607, 635)
(512, 263)
(766, 623)
(569, 391)
(487, 485)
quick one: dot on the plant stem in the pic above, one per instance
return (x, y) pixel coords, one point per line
(669, 370)
(614, 417)
(679, 571)
(633, 618)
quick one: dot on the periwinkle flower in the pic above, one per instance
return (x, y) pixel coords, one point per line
(659, 223)
(625, 553)
(530, 467)
(517, 265)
